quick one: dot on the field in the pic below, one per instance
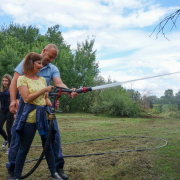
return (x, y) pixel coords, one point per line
(135, 133)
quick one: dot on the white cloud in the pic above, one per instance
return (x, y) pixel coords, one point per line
(81, 13)
(119, 28)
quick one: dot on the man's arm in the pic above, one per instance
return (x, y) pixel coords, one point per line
(58, 82)
(13, 93)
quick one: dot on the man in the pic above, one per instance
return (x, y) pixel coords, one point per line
(49, 72)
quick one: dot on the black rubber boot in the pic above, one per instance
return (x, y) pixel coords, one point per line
(10, 175)
(62, 174)
(55, 176)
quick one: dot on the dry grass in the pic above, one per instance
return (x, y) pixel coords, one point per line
(142, 165)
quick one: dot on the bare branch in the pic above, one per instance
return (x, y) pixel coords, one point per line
(160, 27)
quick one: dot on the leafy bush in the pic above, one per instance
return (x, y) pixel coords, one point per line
(172, 114)
(156, 108)
(169, 107)
(115, 101)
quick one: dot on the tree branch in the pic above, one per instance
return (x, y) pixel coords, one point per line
(160, 27)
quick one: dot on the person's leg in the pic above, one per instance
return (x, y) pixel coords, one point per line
(14, 147)
(26, 139)
(9, 123)
(49, 156)
(59, 160)
(2, 121)
(15, 142)
(56, 145)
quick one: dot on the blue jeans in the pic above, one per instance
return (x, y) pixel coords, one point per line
(15, 142)
(28, 133)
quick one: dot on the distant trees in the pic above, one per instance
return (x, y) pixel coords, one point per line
(167, 102)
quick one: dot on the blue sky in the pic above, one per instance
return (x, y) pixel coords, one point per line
(121, 29)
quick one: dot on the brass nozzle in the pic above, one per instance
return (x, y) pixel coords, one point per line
(52, 116)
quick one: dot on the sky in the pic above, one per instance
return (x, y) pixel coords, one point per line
(121, 28)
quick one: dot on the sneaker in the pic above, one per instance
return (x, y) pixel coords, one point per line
(5, 143)
(62, 174)
(56, 176)
(7, 151)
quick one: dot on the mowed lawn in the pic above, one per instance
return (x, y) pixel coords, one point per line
(160, 163)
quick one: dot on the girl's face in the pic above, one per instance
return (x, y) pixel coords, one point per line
(37, 66)
(5, 82)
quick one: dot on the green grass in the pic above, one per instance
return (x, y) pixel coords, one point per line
(162, 163)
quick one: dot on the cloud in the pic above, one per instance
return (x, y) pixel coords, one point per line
(80, 13)
(121, 30)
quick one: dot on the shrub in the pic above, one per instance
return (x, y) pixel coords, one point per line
(169, 107)
(115, 101)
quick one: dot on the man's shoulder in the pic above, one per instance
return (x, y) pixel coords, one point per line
(52, 66)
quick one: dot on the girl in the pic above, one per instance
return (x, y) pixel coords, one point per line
(5, 114)
(33, 90)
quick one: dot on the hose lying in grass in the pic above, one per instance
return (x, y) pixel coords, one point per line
(111, 152)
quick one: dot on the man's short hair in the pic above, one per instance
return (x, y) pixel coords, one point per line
(51, 46)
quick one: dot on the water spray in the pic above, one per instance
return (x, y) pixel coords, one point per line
(105, 86)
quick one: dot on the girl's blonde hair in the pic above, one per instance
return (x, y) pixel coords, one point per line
(9, 77)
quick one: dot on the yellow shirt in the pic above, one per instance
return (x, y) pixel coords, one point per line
(33, 86)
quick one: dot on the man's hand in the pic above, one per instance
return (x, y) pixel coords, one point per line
(73, 94)
(13, 107)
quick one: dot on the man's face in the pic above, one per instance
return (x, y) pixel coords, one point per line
(48, 56)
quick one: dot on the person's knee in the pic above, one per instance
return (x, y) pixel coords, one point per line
(9, 130)
(23, 151)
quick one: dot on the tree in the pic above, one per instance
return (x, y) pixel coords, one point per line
(85, 65)
(134, 94)
(150, 101)
(169, 94)
(82, 71)
(168, 97)
(27, 35)
(177, 99)
(54, 35)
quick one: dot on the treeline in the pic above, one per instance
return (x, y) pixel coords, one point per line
(78, 68)
(169, 102)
